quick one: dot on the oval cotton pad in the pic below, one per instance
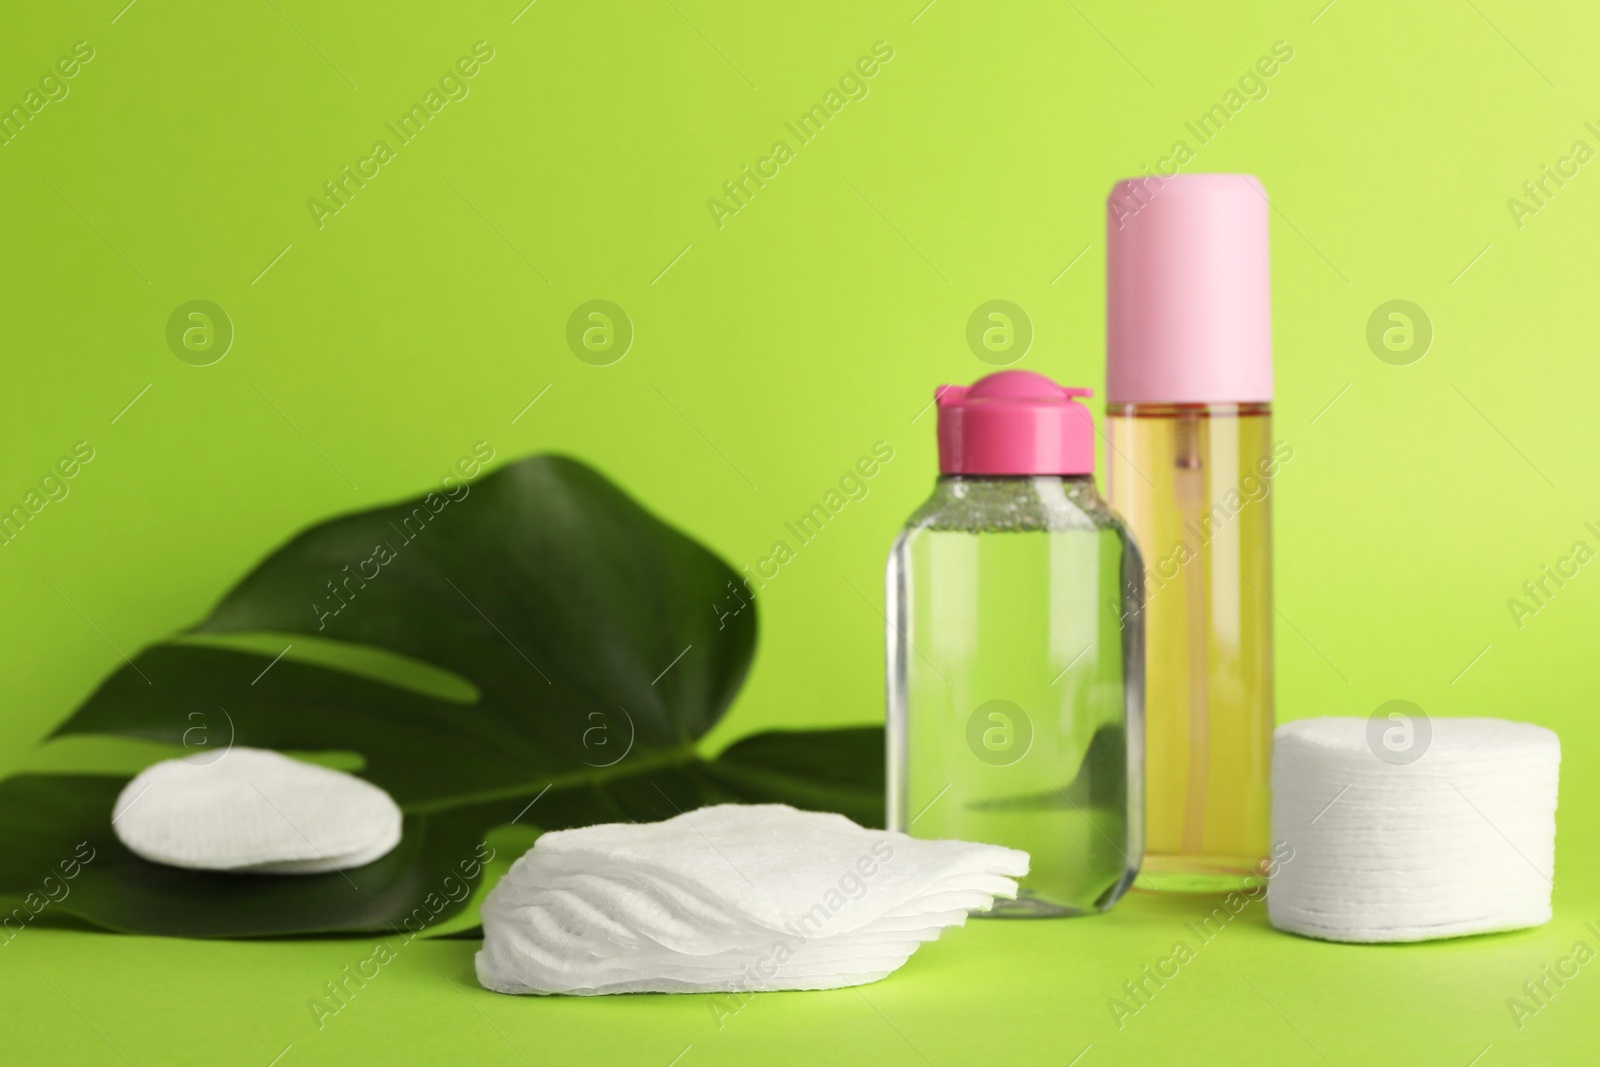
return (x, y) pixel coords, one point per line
(732, 898)
(255, 811)
(1460, 840)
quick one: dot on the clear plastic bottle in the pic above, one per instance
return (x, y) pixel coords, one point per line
(1015, 650)
(1190, 468)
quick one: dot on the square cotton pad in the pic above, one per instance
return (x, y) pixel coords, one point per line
(732, 898)
(1405, 847)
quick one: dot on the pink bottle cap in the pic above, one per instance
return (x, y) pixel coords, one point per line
(1014, 422)
(1188, 304)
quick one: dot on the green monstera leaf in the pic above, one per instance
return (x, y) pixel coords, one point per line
(589, 646)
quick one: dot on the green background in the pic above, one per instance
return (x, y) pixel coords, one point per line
(769, 355)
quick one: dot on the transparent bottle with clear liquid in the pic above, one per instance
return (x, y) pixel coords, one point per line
(1015, 656)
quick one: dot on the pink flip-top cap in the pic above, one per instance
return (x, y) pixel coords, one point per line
(1014, 422)
(1188, 304)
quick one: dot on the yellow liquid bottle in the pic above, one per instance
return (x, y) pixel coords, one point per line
(1193, 484)
(1190, 467)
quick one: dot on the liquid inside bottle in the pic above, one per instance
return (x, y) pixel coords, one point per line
(1193, 483)
(1015, 661)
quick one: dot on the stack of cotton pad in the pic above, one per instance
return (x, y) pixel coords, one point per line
(729, 899)
(254, 811)
(1457, 840)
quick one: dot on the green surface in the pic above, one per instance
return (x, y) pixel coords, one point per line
(768, 356)
(998, 991)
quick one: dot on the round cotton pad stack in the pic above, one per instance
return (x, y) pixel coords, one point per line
(1454, 836)
(729, 899)
(254, 811)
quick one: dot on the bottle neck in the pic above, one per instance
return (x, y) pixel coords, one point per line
(978, 479)
(1190, 411)
(1000, 502)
